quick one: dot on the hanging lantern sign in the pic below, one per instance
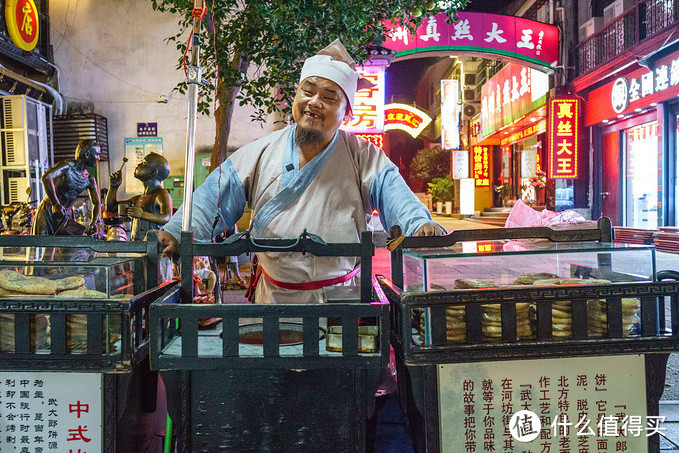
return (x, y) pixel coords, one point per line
(562, 135)
(21, 17)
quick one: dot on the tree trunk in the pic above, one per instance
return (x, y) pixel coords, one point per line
(226, 96)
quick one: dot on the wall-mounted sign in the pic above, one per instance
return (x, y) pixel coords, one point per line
(531, 41)
(511, 94)
(51, 412)
(375, 139)
(481, 167)
(460, 164)
(533, 129)
(636, 89)
(21, 17)
(450, 114)
(147, 129)
(562, 136)
(369, 103)
(406, 118)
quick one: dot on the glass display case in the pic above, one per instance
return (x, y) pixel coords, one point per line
(70, 272)
(527, 263)
(505, 263)
(37, 282)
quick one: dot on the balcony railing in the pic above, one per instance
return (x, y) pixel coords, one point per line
(635, 25)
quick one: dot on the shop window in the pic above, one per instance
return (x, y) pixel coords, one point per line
(640, 190)
(563, 194)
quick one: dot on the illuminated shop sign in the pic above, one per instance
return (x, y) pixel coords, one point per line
(627, 91)
(563, 138)
(480, 170)
(484, 247)
(406, 118)
(524, 39)
(450, 114)
(368, 103)
(21, 17)
(536, 128)
(375, 139)
(512, 93)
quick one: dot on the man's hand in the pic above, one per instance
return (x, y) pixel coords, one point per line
(430, 229)
(135, 212)
(115, 179)
(169, 243)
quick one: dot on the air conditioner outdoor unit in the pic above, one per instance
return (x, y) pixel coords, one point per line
(471, 109)
(590, 27)
(469, 95)
(13, 118)
(616, 8)
(17, 189)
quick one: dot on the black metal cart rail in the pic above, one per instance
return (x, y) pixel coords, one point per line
(601, 233)
(650, 337)
(164, 332)
(240, 243)
(97, 355)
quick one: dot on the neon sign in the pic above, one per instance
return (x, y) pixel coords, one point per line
(480, 170)
(375, 139)
(563, 138)
(406, 118)
(368, 103)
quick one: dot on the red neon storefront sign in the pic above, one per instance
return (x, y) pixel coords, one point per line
(562, 135)
(375, 139)
(480, 169)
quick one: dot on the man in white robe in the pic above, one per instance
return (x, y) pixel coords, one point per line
(309, 175)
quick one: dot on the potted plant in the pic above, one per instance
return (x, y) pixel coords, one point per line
(441, 190)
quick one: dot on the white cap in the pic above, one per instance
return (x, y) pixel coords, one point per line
(334, 63)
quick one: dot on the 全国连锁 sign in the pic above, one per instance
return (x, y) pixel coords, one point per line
(523, 39)
(21, 18)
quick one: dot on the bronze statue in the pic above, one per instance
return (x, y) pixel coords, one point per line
(153, 208)
(63, 184)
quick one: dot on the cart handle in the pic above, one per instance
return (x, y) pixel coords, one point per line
(667, 275)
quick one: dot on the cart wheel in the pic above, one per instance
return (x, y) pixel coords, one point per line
(667, 275)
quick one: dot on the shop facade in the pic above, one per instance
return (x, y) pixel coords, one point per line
(631, 120)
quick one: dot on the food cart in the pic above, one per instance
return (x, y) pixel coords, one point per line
(531, 339)
(74, 343)
(265, 380)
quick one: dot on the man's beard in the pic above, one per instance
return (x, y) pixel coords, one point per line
(305, 137)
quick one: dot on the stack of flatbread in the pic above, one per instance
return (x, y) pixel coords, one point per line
(562, 319)
(491, 317)
(597, 323)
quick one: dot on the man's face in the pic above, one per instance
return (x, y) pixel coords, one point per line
(320, 105)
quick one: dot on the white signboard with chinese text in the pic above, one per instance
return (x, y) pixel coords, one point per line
(460, 164)
(50, 412)
(576, 404)
(136, 148)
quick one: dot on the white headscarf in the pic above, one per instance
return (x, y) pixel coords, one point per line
(334, 63)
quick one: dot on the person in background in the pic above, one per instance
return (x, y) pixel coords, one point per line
(308, 175)
(63, 184)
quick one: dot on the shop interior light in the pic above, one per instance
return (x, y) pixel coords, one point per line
(653, 104)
